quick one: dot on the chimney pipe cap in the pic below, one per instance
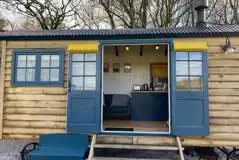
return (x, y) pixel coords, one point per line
(201, 4)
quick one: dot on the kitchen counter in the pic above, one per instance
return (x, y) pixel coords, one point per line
(149, 105)
(150, 91)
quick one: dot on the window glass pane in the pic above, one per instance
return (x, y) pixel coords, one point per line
(181, 68)
(195, 68)
(31, 61)
(195, 55)
(45, 74)
(182, 56)
(77, 68)
(77, 57)
(196, 83)
(90, 68)
(90, 57)
(182, 82)
(21, 60)
(55, 60)
(30, 75)
(77, 83)
(90, 83)
(45, 61)
(54, 75)
(21, 74)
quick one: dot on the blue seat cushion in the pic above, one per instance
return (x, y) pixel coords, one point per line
(49, 153)
(120, 100)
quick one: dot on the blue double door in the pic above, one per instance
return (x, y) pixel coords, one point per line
(188, 93)
(84, 93)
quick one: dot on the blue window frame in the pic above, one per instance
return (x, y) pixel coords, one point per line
(38, 67)
(189, 74)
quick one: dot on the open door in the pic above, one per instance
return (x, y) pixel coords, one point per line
(189, 93)
(84, 91)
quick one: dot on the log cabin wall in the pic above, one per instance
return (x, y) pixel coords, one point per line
(29, 111)
(2, 48)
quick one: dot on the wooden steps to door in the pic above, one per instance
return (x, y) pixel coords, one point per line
(110, 158)
(127, 146)
(116, 146)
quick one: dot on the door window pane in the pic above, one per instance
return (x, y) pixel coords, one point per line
(55, 61)
(195, 56)
(90, 68)
(182, 56)
(30, 75)
(54, 75)
(181, 68)
(83, 73)
(45, 74)
(77, 57)
(90, 83)
(31, 61)
(189, 74)
(21, 74)
(77, 68)
(195, 68)
(90, 57)
(77, 83)
(45, 61)
(196, 83)
(182, 82)
(21, 60)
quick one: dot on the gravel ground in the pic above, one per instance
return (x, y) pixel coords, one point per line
(10, 150)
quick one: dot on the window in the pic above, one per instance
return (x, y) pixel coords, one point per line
(189, 71)
(83, 72)
(38, 67)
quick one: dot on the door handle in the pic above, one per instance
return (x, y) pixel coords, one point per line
(69, 85)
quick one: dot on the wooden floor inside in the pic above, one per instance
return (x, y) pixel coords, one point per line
(138, 126)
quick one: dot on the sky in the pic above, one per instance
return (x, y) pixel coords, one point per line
(12, 17)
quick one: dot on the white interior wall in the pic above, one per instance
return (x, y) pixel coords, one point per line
(121, 83)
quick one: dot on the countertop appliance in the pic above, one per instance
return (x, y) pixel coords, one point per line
(136, 87)
(145, 87)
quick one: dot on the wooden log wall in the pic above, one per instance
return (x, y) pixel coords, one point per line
(2, 50)
(29, 111)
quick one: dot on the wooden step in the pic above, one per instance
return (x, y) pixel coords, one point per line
(113, 158)
(118, 146)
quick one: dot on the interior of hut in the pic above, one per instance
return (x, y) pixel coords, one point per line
(135, 88)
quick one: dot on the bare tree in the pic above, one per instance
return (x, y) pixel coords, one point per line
(171, 13)
(223, 12)
(3, 23)
(91, 14)
(50, 14)
(116, 13)
(88, 14)
(30, 23)
(234, 8)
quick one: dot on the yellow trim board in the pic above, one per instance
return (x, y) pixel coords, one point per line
(190, 46)
(83, 48)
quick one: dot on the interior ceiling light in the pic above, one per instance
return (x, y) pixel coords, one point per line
(127, 48)
(228, 48)
(157, 47)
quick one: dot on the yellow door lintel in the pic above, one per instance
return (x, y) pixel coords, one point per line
(190, 46)
(83, 48)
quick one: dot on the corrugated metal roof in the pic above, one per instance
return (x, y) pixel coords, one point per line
(213, 31)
